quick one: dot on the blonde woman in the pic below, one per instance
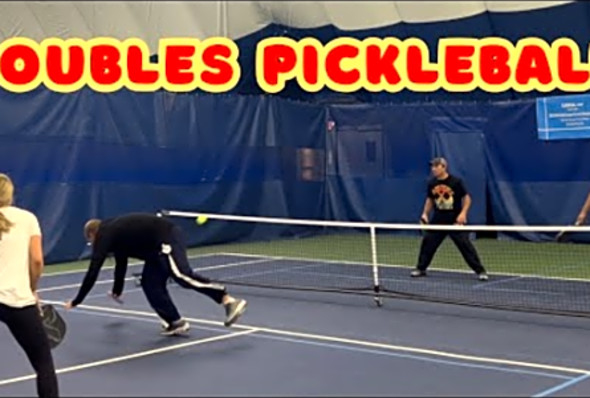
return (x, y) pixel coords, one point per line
(21, 265)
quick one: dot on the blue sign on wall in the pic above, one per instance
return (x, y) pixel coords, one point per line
(563, 118)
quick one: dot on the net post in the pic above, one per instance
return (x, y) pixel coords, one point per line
(375, 265)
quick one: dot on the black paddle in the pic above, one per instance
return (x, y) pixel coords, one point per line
(54, 325)
(423, 221)
(562, 236)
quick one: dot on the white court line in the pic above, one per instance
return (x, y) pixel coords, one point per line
(230, 265)
(446, 362)
(134, 264)
(76, 285)
(354, 342)
(141, 354)
(484, 286)
(561, 387)
(209, 268)
(398, 266)
(358, 263)
(345, 347)
(407, 281)
(106, 294)
(81, 270)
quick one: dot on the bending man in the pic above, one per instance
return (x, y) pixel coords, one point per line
(159, 243)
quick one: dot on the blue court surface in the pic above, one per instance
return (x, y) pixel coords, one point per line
(293, 343)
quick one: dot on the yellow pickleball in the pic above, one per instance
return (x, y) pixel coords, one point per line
(201, 220)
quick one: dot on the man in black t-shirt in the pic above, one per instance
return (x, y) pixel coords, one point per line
(449, 199)
(160, 244)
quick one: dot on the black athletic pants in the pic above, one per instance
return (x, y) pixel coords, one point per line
(26, 326)
(432, 241)
(173, 262)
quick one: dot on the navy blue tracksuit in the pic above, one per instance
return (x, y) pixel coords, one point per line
(159, 243)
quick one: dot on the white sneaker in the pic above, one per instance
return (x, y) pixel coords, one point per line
(233, 311)
(176, 328)
(417, 273)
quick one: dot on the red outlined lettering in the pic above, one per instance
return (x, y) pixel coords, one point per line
(334, 69)
(215, 57)
(342, 60)
(573, 76)
(345, 64)
(176, 60)
(384, 61)
(137, 72)
(221, 70)
(65, 65)
(568, 73)
(64, 68)
(533, 64)
(276, 61)
(422, 76)
(458, 64)
(105, 69)
(380, 64)
(179, 64)
(310, 67)
(494, 67)
(310, 74)
(107, 65)
(463, 64)
(19, 65)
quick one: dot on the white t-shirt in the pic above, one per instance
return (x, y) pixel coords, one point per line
(15, 286)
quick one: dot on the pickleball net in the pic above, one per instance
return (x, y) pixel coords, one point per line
(529, 271)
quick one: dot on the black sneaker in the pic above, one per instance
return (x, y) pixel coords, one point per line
(176, 328)
(233, 311)
(417, 273)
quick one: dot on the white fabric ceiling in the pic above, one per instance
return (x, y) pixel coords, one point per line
(151, 20)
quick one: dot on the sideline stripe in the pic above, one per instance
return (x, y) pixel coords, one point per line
(404, 267)
(84, 269)
(77, 285)
(136, 355)
(348, 348)
(106, 281)
(363, 343)
(561, 387)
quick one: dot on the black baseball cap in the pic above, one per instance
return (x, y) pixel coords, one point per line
(439, 161)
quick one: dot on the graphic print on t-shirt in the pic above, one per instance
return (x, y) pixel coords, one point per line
(443, 197)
